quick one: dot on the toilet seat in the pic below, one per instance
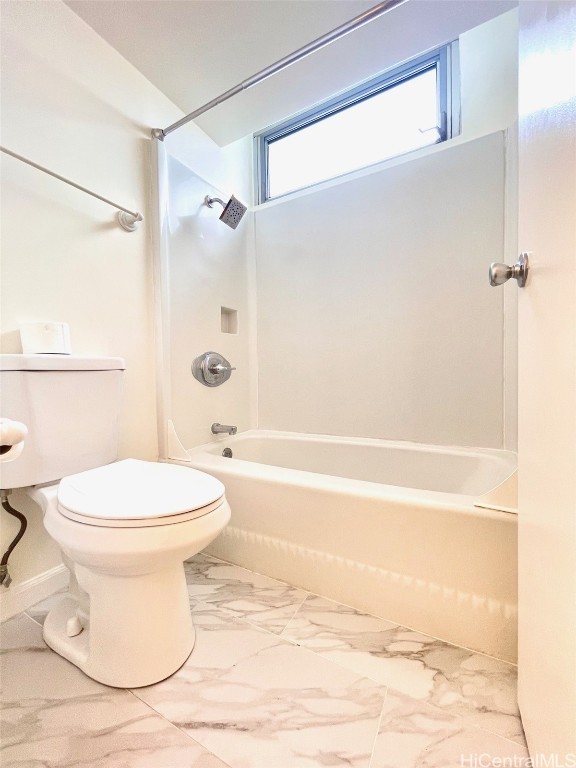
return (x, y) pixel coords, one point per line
(134, 493)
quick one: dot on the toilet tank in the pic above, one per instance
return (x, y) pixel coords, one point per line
(71, 406)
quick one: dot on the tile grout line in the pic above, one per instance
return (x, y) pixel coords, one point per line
(458, 716)
(25, 613)
(378, 728)
(291, 619)
(173, 725)
(508, 739)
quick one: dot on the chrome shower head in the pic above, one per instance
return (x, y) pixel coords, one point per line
(233, 210)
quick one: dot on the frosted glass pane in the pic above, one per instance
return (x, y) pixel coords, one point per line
(394, 121)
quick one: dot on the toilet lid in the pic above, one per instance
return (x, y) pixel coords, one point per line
(138, 490)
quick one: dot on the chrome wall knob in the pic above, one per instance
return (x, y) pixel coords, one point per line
(500, 273)
(211, 369)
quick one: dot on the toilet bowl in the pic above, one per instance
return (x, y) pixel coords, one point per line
(125, 530)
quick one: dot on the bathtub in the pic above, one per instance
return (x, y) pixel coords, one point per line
(388, 528)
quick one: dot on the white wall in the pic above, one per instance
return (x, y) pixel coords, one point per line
(72, 103)
(489, 75)
(375, 316)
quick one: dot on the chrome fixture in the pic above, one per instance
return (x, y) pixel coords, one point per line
(233, 210)
(223, 429)
(211, 369)
(278, 66)
(227, 453)
(128, 220)
(500, 273)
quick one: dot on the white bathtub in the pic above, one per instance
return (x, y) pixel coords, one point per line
(388, 528)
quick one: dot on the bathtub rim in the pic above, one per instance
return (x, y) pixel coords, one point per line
(202, 457)
(374, 441)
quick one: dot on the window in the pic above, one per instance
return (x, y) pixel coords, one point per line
(402, 110)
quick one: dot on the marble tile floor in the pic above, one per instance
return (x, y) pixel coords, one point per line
(279, 678)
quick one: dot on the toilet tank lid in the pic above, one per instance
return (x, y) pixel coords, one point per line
(17, 362)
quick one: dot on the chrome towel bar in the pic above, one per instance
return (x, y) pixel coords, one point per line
(127, 219)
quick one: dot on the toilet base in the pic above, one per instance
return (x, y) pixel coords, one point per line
(139, 629)
(126, 621)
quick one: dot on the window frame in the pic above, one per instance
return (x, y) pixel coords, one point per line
(442, 59)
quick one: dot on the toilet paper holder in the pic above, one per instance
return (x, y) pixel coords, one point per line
(12, 436)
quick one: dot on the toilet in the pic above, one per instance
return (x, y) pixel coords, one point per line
(124, 527)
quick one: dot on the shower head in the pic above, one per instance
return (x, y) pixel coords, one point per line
(233, 210)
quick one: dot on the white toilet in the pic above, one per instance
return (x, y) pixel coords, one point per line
(124, 528)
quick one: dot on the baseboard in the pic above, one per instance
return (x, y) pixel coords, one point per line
(19, 597)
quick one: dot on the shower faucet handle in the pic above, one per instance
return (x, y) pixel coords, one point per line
(211, 369)
(217, 368)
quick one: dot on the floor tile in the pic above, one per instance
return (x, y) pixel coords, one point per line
(258, 701)
(244, 594)
(39, 611)
(413, 734)
(476, 687)
(54, 716)
(278, 678)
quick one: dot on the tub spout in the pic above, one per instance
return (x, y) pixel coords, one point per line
(223, 429)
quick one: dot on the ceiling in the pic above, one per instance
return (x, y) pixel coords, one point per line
(194, 50)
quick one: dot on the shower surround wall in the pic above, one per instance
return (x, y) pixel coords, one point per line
(207, 304)
(375, 316)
